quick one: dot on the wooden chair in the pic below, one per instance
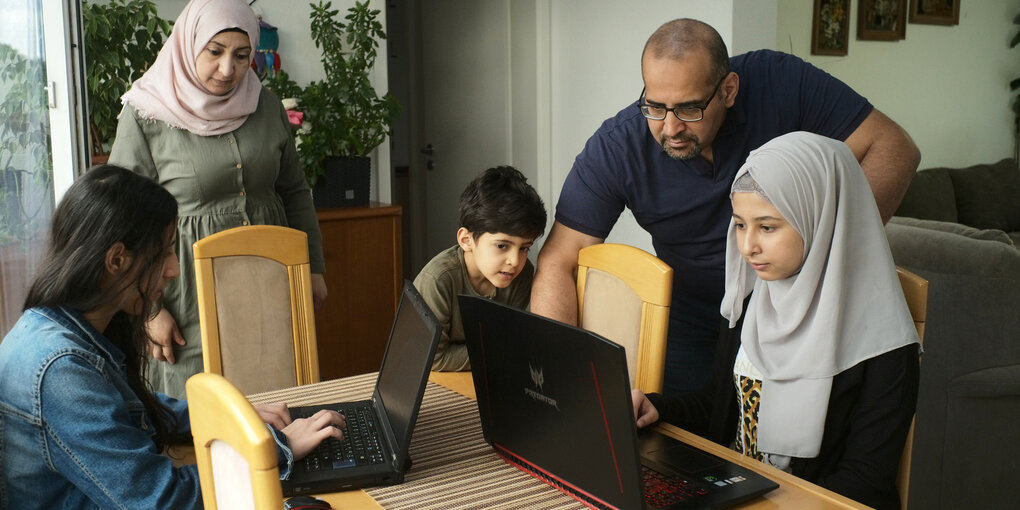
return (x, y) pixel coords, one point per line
(235, 452)
(255, 307)
(915, 290)
(623, 294)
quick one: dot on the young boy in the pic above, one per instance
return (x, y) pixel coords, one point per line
(501, 215)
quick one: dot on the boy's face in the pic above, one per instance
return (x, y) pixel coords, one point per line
(771, 246)
(493, 260)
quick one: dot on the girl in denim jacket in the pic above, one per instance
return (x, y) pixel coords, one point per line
(79, 427)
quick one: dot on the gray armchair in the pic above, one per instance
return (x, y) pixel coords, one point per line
(965, 451)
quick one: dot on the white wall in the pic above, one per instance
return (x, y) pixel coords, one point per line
(948, 86)
(301, 59)
(753, 26)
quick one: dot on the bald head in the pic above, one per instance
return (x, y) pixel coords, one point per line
(680, 38)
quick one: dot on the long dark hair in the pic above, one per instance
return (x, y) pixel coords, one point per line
(105, 206)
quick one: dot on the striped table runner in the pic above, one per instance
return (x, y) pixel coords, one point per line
(453, 467)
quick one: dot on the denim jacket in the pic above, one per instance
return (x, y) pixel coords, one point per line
(72, 432)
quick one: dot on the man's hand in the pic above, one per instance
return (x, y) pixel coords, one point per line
(305, 434)
(163, 333)
(319, 291)
(645, 413)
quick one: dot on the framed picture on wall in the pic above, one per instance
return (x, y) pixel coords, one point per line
(935, 12)
(882, 20)
(830, 27)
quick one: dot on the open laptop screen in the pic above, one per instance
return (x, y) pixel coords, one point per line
(555, 400)
(556, 396)
(405, 364)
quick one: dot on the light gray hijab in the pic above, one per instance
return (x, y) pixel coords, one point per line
(844, 306)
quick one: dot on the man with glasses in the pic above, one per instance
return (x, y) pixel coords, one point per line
(670, 158)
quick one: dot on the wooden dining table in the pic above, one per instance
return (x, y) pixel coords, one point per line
(436, 481)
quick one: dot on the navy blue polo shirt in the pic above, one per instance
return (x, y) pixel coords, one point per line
(685, 205)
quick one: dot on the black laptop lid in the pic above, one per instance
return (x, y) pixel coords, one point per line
(405, 367)
(534, 374)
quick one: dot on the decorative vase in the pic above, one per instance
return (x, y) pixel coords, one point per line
(344, 183)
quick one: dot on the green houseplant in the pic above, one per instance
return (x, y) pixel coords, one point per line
(346, 118)
(122, 38)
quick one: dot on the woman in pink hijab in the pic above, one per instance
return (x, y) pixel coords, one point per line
(200, 124)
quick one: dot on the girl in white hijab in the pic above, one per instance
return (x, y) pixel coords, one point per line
(826, 361)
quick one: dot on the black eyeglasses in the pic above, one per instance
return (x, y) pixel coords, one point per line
(684, 112)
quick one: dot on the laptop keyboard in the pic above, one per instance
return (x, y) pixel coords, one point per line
(662, 490)
(359, 447)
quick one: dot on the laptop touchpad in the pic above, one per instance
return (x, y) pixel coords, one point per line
(673, 453)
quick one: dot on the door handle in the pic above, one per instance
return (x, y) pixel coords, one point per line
(429, 150)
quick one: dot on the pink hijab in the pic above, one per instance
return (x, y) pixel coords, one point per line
(170, 91)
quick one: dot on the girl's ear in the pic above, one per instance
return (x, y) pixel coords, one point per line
(465, 239)
(118, 259)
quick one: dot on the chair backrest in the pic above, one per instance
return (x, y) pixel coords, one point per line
(255, 307)
(236, 453)
(623, 294)
(915, 290)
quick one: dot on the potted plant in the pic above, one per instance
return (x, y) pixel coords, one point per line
(346, 118)
(122, 38)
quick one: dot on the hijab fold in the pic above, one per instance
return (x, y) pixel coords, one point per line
(844, 306)
(171, 90)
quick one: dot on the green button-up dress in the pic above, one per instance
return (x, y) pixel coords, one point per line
(251, 176)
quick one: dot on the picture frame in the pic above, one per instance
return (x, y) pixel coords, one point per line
(882, 20)
(935, 12)
(830, 27)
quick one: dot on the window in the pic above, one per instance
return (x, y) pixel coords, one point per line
(37, 106)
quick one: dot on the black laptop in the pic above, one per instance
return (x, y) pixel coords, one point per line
(555, 401)
(374, 450)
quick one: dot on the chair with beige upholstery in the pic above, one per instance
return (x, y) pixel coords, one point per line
(623, 294)
(235, 452)
(915, 290)
(255, 307)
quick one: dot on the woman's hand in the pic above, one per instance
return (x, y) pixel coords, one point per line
(319, 291)
(276, 414)
(645, 413)
(305, 434)
(163, 333)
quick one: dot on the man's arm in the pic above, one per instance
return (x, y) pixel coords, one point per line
(888, 157)
(554, 291)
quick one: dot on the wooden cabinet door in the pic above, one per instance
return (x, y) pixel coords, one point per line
(364, 278)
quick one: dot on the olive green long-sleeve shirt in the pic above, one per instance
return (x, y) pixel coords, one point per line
(439, 283)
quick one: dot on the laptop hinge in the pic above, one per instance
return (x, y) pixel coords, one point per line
(387, 431)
